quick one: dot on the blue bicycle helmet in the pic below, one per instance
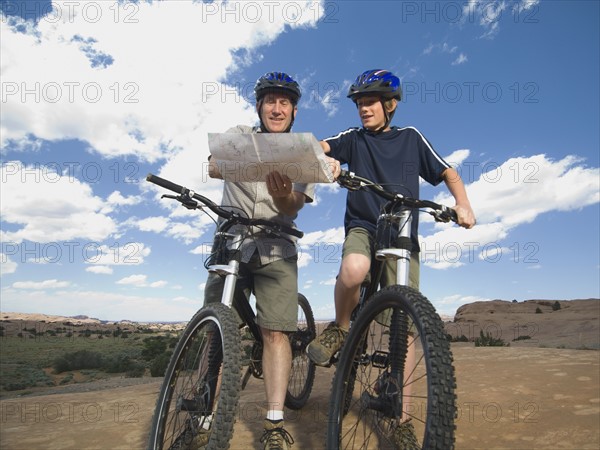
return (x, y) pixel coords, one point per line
(377, 82)
(277, 81)
(381, 83)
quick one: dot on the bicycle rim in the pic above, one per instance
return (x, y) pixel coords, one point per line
(392, 389)
(200, 392)
(302, 374)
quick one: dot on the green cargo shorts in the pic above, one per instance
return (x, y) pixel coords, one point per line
(359, 240)
(275, 286)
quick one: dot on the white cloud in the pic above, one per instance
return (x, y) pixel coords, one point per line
(104, 270)
(41, 285)
(510, 194)
(156, 224)
(104, 304)
(140, 280)
(446, 48)
(134, 280)
(461, 59)
(105, 88)
(49, 206)
(525, 5)
(7, 265)
(449, 304)
(330, 236)
(487, 13)
(130, 253)
(116, 199)
(457, 157)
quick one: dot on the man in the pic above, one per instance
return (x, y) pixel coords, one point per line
(270, 264)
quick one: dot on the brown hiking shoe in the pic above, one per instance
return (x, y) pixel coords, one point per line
(275, 436)
(322, 349)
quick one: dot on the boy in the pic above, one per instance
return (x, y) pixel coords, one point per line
(387, 155)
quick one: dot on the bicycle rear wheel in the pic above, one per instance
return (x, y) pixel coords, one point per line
(302, 374)
(397, 401)
(198, 399)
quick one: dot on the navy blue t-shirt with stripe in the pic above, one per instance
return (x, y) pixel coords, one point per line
(396, 159)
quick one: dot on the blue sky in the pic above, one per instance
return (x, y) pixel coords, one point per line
(97, 94)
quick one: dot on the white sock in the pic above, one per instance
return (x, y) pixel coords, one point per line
(274, 415)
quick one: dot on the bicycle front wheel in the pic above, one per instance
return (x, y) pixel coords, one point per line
(403, 393)
(198, 399)
(302, 374)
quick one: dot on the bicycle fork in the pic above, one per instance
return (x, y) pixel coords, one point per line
(390, 389)
(230, 270)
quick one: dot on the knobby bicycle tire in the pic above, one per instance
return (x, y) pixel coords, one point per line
(426, 385)
(302, 374)
(197, 404)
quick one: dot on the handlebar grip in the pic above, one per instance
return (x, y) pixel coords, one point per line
(292, 231)
(165, 183)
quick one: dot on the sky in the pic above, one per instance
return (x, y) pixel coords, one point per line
(96, 94)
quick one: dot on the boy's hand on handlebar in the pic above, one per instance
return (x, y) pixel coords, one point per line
(466, 216)
(278, 185)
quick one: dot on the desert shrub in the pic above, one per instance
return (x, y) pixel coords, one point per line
(159, 365)
(556, 306)
(153, 347)
(81, 359)
(119, 363)
(488, 340)
(21, 377)
(67, 379)
(522, 338)
(137, 370)
(538, 310)
(461, 338)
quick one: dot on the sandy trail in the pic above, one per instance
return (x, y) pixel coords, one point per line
(508, 398)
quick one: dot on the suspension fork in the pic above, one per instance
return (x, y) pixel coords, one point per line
(391, 396)
(230, 270)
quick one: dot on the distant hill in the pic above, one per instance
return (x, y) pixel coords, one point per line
(540, 323)
(13, 323)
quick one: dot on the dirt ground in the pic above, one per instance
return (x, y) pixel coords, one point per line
(508, 398)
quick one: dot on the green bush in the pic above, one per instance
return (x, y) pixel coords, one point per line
(461, 338)
(159, 365)
(81, 359)
(154, 347)
(522, 338)
(488, 341)
(556, 306)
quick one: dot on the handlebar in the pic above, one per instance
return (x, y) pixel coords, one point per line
(353, 182)
(189, 199)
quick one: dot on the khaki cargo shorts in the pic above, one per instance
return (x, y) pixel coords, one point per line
(359, 240)
(275, 286)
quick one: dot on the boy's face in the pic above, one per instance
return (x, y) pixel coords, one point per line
(370, 111)
(277, 112)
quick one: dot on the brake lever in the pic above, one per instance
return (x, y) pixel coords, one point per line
(185, 200)
(440, 216)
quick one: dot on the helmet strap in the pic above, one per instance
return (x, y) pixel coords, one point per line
(388, 119)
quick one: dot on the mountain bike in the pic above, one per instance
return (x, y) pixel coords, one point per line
(198, 400)
(394, 381)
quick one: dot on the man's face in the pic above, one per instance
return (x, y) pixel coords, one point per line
(370, 111)
(277, 111)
